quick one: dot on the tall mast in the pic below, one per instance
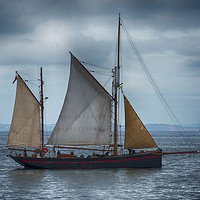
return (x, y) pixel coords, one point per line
(117, 83)
(42, 110)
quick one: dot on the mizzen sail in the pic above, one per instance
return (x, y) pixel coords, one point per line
(85, 118)
(136, 135)
(25, 126)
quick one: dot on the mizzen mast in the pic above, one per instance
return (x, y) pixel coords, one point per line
(116, 86)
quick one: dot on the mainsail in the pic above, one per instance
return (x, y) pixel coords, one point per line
(25, 126)
(85, 118)
(136, 135)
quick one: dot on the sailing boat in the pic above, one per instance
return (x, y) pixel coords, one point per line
(84, 121)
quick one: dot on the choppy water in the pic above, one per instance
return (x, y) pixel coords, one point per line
(178, 179)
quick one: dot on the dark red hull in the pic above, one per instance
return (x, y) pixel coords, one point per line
(142, 160)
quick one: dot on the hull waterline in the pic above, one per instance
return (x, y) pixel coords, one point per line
(144, 160)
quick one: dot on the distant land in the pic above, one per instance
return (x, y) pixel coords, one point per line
(171, 127)
(150, 127)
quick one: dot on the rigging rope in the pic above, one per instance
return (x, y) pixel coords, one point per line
(30, 80)
(35, 79)
(78, 116)
(98, 66)
(17, 132)
(100, 72)
(158, 92)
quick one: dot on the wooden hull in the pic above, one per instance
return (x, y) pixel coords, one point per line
(141, 160)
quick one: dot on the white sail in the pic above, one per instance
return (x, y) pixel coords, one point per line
(85, 118)
(25, 126)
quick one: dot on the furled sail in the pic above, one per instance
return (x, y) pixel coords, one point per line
(85, 118)
(136, 135)
(25, 126)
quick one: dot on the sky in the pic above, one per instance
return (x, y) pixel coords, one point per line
(166, 33)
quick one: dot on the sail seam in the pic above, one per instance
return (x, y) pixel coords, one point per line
(88, 105)
(72, 119)
(18, 132)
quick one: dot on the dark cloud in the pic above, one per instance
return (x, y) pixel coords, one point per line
(23, 15)
(11, 21)
(167, 32)
(194, 66)
(23, 22)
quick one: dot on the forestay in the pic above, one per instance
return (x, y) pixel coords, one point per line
(136, 135)
(85, 118)
(25, 126)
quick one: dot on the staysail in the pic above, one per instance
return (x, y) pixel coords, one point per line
(85, 118)
(25, 126)
(136, 135)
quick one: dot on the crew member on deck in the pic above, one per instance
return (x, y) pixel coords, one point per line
(58, 154)
(25, 154)
(131, 151)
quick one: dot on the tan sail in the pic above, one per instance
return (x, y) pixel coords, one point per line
(136, 135)
(25, 126)
(85, 118)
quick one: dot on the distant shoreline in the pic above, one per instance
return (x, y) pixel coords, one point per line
(150, 127)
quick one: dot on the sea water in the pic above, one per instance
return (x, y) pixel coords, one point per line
(179, 178)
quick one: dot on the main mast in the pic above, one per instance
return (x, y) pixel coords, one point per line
(42, 111)
(117, 84)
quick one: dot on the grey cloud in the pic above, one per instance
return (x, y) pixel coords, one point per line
(194, 66)
(23, 15)
(35, 32)
(19, 20)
